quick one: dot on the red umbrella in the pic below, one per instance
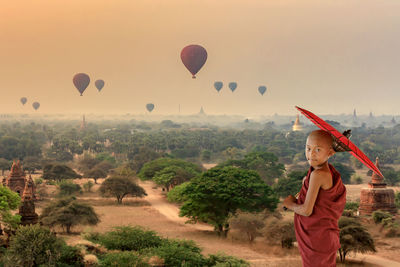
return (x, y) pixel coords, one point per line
(342, 142)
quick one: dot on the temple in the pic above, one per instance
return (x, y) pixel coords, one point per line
(376, 196)
(83, 124)
(25, 187)
(297, 125)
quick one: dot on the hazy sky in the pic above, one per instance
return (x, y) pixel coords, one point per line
(326, 56)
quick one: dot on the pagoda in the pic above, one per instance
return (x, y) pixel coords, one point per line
(16, 179)
(83, 124)
(297, 125)
(376, 196)
(27, 208)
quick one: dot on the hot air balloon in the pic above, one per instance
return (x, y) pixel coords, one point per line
(232, 86)
(81, 82)
(193, 57)
(99, 84)
(218, 85)
(150, 107)
(23, 100)
(262, 89)
(36, 105)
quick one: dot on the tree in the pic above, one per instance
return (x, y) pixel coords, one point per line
(31, 164)
(68, 188)
(289, 185)
(120, 187)
(150, 169)
(353, 237)
(249, 223)
(9, 200)
(219, 193)
(34, 245)
(173, 175)
(391, 176)
(59, 172)
(176, 194)
(265, 163)
(67, 213)
(87, 162)
(95, 173)
(278, 231)
(345, 172)
(4, 165)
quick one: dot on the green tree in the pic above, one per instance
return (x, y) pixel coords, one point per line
(34, 245)
(9, 200)
(67, 213)
(345, 172)
(219, 193)
(59, 172)
(150, 169)
(353, 238)
(31, 164)
(95, 173)
(173, 175)
(4, 165)
(120, 187)
(289, 185)
(176, 194)
(67, 188)
(266, 164)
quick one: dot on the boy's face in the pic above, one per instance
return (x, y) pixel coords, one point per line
(318, 149)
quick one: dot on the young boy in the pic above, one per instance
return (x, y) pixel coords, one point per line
(319, 205)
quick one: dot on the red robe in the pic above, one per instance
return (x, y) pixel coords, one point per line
(318, 234)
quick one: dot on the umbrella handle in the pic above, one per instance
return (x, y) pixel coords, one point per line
(296, 196)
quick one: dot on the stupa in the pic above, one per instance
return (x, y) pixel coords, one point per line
(16, 179)
(297, 125)
(27, 208)
(83, 123)
(376, 196)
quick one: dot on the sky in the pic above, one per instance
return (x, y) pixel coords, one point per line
(330, 56)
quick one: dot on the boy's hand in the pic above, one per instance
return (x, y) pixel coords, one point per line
(289, 200)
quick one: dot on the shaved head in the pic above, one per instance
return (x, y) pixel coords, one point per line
(322, 137)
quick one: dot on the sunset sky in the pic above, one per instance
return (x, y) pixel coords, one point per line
(328, 56)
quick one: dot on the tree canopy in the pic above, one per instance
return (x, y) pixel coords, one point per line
(220, 192)
(120, 187)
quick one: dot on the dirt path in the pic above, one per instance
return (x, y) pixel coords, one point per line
(157, 201)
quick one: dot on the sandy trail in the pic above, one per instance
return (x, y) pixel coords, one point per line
(157, 200)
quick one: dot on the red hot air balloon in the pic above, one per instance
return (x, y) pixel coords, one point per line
(23, 100)
(81, 82)
(99, 84)
(193, 57)
(36, 105)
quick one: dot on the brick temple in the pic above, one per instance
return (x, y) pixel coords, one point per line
(25, 187)
(376, 196)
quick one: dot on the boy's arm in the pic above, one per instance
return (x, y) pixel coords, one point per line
(306, 208)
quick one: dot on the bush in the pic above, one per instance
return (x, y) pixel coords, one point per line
(68, 188)
(38, 181)
(123, 259)
(277, 231)
(397, 200)
(348, 213)
(249, 223)
(176, 195)
(88, 186)
(127, 238)
(178, 253)
(379, 215)
(34, 245)
(222, 260)
(356, 179)
(352, 206)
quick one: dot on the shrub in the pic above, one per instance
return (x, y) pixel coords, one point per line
(38, 181)
(249, 223)
(379, 215)
(176, 195)
(177, 253)
(352, 206)
(88, 186)
(68, 188)
(127, 238)
(223, 260)
(123, 259)
(34, 245)
(277, 231)
(397, 200)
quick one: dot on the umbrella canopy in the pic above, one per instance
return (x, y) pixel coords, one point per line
(342, 142)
